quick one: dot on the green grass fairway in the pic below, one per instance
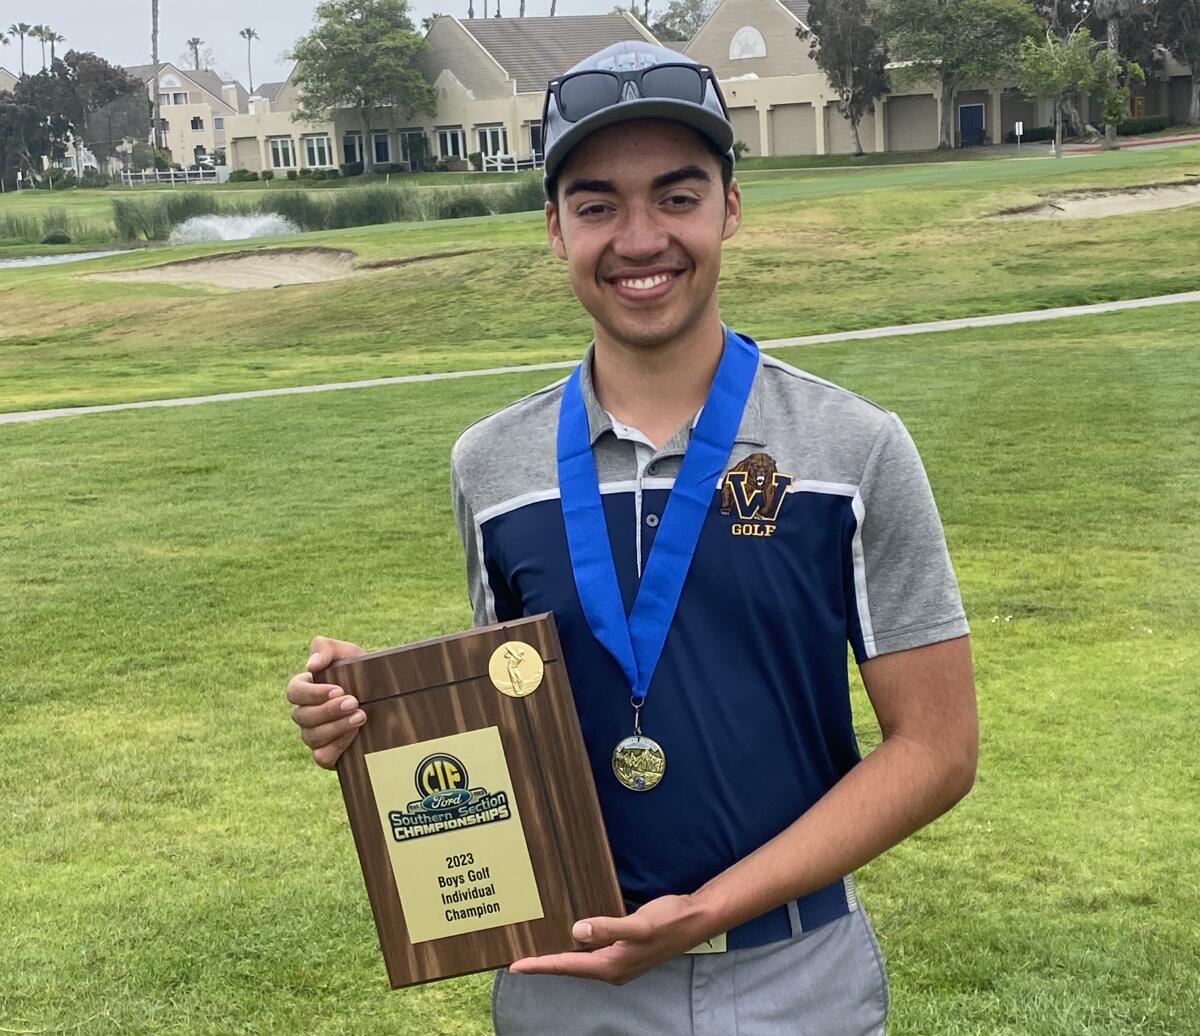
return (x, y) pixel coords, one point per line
(819, 251)
(173, 863)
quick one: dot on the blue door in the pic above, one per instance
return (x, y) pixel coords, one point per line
(970, 125)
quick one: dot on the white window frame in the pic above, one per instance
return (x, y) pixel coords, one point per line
(356, 139)
(282, 147)
(445, 135)
(403, 136)
(535, 151)
(492, 139)
(175, 97)
(313, 146)
(197, 119)
(218, 122)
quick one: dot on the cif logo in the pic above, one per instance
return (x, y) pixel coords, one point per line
(442, 781)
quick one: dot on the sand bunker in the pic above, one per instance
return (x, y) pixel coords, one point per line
(265, 267)
(1088, 204)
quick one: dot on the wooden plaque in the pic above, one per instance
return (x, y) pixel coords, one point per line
(472, 802)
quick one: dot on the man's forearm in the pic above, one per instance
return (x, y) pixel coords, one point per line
(899, 787)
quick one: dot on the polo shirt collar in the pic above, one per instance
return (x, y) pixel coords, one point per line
(750, 430)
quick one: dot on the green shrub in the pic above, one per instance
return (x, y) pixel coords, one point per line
(56, 237)
(183, 205)
(306, 173)
(301, 207)
(54, 221)
(316, 174)
(268, 174)
(25, 229)
(332, 174)
(243, 175)
(740, 148)
(141, 219)
(476, 159)
(1031, 134)
(354, 169)
(363, 206)
(525, 195)
(456, 203)
(292, 174)
(1148, 124)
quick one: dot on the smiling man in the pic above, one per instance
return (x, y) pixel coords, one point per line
(711, 528)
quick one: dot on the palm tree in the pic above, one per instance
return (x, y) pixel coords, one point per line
(553, 5)
(154, 60)
(52, 38)
(249, 35)
(194, 44)
(38, 32)
(1112, 11)
(21, 30)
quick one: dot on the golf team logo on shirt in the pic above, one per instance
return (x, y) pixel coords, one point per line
(447, 801)
(755, 489)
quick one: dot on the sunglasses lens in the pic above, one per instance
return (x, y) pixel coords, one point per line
(583, 94)
(684, 84)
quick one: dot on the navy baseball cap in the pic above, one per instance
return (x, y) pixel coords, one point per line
(638, 80)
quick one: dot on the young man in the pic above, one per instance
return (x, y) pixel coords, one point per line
(710, 527)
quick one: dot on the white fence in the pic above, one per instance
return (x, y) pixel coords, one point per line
(132, 178)
(510, 163)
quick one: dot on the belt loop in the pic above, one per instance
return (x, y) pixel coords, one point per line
(793, 910)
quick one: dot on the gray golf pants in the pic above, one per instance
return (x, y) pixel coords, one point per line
(829, 981)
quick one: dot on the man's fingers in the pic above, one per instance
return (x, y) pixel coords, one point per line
(326, 651)
(595, 964)
(604, 931)
(328, 755)
(302, 691)
(326, 733)
(336, 708)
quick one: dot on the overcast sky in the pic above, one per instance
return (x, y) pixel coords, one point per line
(119, 30)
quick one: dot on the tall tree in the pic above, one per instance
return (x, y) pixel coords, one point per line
(1179, 29)
(1113, 12)
(682, 19)
(194, 45)
(249, 35)
(954, 43)
(1053, 69)
(38, 32)
(154, 99)
(21, 30)
(362, 54)
(846, 47)
(52, 38)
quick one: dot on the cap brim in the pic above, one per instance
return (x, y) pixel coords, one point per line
(701, 119)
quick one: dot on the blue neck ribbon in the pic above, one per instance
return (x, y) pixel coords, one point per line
(636, 641)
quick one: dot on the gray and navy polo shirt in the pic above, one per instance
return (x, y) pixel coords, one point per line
(822, 531)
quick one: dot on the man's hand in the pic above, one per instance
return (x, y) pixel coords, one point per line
(622, 948)
(328, 718)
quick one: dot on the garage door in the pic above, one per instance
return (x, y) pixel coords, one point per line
(839, 139)
(745, 128)
(793, 129)
(911, 122)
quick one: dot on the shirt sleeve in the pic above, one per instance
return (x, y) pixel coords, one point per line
(905, 593)
(489, 594)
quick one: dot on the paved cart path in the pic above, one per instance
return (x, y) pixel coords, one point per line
(925, 327)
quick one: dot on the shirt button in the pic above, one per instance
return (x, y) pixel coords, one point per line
(653, 468)
(652, 520)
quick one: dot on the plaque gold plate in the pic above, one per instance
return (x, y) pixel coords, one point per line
(472, 802)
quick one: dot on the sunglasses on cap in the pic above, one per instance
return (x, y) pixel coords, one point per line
(580, 94)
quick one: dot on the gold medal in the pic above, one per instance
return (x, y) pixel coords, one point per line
(639, 762)
(516, 669)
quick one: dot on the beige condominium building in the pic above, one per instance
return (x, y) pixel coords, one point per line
(489, 75)
(7, 80)
(194, 105)
(781, 103)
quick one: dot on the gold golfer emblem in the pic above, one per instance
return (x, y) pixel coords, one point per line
(516, 669)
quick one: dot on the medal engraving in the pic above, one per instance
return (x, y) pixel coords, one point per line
(639, 762)
(515, 669)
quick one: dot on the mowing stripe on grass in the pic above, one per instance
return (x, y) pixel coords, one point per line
(924, 327)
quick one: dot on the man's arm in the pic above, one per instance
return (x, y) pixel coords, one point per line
(924, 699)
